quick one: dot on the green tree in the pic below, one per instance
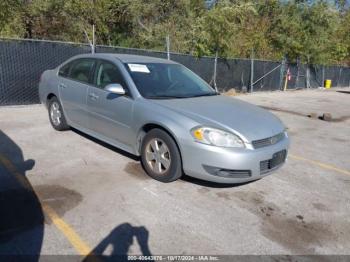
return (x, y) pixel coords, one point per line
(316, 31)
(215, 30)
(7, 10)
(304, 30)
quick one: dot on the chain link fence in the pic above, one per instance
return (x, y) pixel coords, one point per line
(23, 61)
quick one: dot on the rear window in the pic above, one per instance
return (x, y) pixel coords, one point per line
(64, 70)
(81, 70)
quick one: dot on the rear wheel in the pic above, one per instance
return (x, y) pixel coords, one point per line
(160, 156)
(56, 116)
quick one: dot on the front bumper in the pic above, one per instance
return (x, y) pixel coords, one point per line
(230, 165)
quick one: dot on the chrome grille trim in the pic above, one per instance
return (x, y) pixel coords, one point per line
(268, 141)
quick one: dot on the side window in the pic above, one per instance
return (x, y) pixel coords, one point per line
(64, 70)
(81, 70)
(108, 73)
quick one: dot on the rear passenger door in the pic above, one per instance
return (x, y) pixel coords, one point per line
(74, 82)
(111, 114)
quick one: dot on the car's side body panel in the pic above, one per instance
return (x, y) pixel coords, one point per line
(115, 143)
(111, 115)
(106, 116)
(72, 95)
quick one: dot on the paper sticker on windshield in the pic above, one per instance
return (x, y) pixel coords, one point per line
(138, 68)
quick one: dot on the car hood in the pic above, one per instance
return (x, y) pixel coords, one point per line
(247, 120)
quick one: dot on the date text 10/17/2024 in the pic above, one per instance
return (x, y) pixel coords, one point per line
(173, 258)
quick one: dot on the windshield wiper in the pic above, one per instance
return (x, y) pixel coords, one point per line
(190, 96)
(208, 94)
(164, 97)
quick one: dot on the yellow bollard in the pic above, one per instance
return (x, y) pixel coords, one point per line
(328, 83)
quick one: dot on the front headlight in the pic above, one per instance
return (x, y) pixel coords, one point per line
(216, 137)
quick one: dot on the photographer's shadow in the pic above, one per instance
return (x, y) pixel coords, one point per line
(21, 215)
(120, 240)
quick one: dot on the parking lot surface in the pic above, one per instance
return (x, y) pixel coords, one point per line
(90, 197)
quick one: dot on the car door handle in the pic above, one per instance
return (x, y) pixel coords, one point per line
(93, 96)
(62, 85)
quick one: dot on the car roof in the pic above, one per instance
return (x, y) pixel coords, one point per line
(125, 58)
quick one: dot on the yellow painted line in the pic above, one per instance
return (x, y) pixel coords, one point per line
(320, 164)
(13, 170)
(80, 246)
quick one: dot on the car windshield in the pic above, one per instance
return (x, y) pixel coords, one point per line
(165, 81)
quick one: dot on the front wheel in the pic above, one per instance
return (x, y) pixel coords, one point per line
(56, 116)
(160, 156)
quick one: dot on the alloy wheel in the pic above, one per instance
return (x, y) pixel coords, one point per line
(55, 113)
(158, 156)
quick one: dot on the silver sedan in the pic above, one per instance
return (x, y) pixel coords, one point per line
(161, 111)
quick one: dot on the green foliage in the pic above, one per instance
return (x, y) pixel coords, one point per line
(315, 31)
(7, 9)
(304, 31)
(215, 30)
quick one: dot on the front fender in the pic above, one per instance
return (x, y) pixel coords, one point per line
(177, 125)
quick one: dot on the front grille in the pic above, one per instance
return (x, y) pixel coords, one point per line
(268, 141)
(276, 160)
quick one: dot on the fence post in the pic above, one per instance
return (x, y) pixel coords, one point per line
(91, 43)
(93, 40)
(307, 76)
(339, 76)
(282, 71)
(297, 78)
(252, 71)
(168, 46)
(308, 73)
(215, 68)
(322, 84)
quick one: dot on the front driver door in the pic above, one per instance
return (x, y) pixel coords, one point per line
(110, 114)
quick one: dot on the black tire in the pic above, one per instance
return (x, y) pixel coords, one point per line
(61, 125)
(174, 171)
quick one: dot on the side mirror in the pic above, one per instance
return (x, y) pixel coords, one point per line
(115, 89)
